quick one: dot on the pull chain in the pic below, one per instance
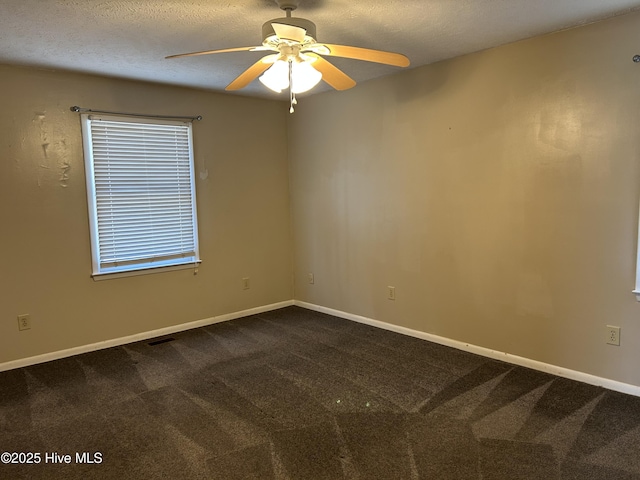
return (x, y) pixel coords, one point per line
(292, 96)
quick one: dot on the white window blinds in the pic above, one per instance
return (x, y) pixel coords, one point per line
(141, 193)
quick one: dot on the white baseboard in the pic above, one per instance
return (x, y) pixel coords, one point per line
(485, 352)
(467, 347)
(25, 362)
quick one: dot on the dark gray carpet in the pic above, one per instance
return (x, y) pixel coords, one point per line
(294, 394)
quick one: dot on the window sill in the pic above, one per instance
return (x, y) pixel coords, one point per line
(637, 294)
(147, 271)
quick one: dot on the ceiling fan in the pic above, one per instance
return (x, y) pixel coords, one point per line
(298, 64)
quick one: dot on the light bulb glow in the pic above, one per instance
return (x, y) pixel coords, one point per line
(276, 78)
(304, 76)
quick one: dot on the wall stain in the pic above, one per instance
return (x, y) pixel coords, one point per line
(64, 173)
(39, 122)
(40, 118)
(65, 165)
(54, 153)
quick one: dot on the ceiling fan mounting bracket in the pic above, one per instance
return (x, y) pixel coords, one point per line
(288, 5)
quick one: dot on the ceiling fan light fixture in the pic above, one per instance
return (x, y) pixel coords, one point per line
(303, 76)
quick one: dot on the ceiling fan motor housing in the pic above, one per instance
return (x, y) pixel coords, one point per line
(308, 25)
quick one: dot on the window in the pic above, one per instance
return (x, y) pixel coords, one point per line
(141, 193)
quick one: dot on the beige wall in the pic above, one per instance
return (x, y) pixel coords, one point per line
(498, 192)
(45, 260)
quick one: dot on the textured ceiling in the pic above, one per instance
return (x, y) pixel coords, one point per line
(130, 38)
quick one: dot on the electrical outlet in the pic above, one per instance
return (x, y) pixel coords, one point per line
(613, 335)
(246, 283)
(311, 279)
(24, 322)
(391, 293)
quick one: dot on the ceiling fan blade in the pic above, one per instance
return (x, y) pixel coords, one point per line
(225, 50)
(289, 32)
(332, 74)
(357, 53)
(251, 73)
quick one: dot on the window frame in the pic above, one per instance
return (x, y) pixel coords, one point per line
(152, 265)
